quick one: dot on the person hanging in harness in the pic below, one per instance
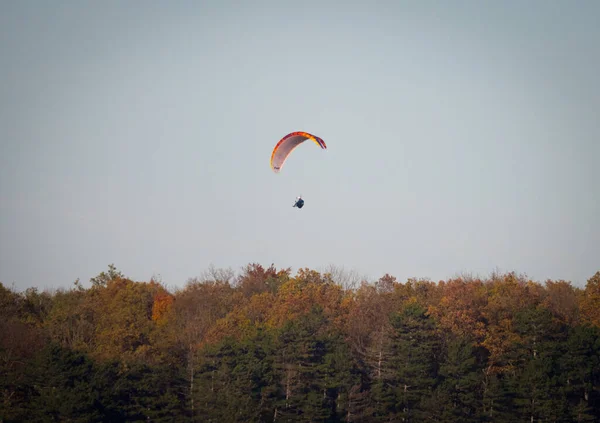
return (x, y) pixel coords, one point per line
(299, 202)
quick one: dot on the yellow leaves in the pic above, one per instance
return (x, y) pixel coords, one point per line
(128, 320)
(460, 308)
(163, 302)
(297, 296)
(294, 298)
(590, 301)
(71, 319)
(498, 341)
(125, 315)
(243, 320)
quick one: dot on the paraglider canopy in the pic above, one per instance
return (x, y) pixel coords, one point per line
(287, 144)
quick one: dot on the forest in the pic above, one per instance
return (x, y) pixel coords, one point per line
(266, 345)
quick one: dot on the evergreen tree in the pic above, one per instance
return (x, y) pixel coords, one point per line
(306, 364)
(460, 376)
(416, 348)
(539, 396)
(61, 388)
(580, 373)
(236, 381)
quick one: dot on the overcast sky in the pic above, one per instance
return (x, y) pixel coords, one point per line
(462, 137)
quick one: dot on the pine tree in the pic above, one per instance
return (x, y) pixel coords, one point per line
(305, 370)
(416, 349)
(61, 388)
(461, 378)
(580, 373)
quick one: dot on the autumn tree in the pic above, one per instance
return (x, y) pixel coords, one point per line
(271, 347)
(195, 310)
(590, 300)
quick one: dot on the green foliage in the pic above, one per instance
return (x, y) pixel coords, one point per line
(416, 347)
(460, 375)
(140, 392)
(61, 388)
(270, 347)
(103, 278)
(235, 381)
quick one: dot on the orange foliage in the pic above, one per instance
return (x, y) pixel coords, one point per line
(507, 295)
(241, 321)
(257, 279)
(590, 301)
(293, 299)
(162, 304)
(461, 308)
(120, 318)
(297, 296)
(561, 299)
(123, 319)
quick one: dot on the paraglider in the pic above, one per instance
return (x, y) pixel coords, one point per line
(284, 148)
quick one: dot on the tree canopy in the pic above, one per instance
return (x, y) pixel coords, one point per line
(267, 345)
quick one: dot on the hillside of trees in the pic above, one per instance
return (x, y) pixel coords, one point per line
(266, 345)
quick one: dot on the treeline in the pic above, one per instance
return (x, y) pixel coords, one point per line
(269, 346)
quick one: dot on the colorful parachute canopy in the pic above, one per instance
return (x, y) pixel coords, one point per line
(287, 144)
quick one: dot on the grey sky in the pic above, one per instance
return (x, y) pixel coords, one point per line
(462, 138)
